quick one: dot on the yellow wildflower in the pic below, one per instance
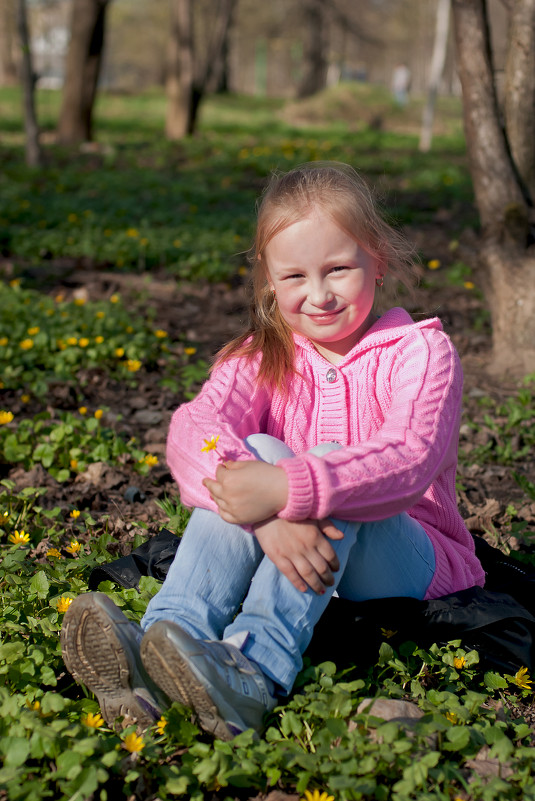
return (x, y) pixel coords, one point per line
(14, 282)
(26, 344)
(63, 604)
(151, 460)
(434, 264)
(133, 743)
(317, 796)
(79, 301)
(469, 285)
(94, 721)
(100, 315)
(25, 398)
(72, 341)
(177, 243)
(3, 340)
(98, 414)
(21, 538)
(523, 679)
(211, 444)
(190, 351)
(133, 365)
(452, 717)
(114, 299)
(34, 330)
(160, 333)
(129, 329)
(35, 706)
(242, 270)
(388, 633)
(160, 725)
(5, 417)
(59, 298)
(99, 340)
(459, 662)
(83, 342)
(53, 552)
(74, 547)
(133, 233)
(82, 410)
(75, 513)
(119, 352)
(74, 464)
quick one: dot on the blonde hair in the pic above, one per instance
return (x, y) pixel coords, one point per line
(339, 191)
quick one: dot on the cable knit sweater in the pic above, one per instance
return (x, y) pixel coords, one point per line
(393, 403)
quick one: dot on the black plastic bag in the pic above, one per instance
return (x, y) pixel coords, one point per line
(498, 620)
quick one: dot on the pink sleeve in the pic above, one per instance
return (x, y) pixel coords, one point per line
(231, 406)
(390, 472)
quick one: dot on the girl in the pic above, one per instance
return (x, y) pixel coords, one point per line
(320, 456)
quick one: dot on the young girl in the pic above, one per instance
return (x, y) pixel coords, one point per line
(320, 456)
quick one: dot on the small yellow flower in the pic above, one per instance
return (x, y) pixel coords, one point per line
(59, 298)
(459, 662)
(129, 329)
(72, 218)
(79, 301)
(388, 633)
(242, 270)
(469, 285)
(75, 513)
(317, 796)
(98, 414)
(434, 264)
(160, 725)
(26, 344)
(25, 398)
(94, 721)
(74, 464)
(3, 341)
(134, 743)
(63, 604)
(133, 233)
(151, 460)
(73, 548)
(133, 365)
(523, 679)
(190, 351)
(114, 299)
(5, 417)
(34, 330)
(119, 352)
(100, 315)
(210, 444)
(35, 706)
(82, 410)
(14, 282)
(21, 538)
(53, 552)
(72, 341)
(99, 340)
(160, 333)
(83, 342)
(452, 717)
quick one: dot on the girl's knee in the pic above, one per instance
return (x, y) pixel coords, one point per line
(267, 448)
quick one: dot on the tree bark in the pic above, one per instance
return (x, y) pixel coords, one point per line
(520, 92)
(438, 61)
(314, 54)
(506, 261)
(82, 70)
(34, 155)
(8, 68)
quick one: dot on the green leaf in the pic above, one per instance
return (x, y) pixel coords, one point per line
(40, 584)
(493, 681)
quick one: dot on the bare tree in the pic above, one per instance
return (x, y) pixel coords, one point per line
(33, 148)
(82, 70)
(501, 164)
(8, 67)
(315, 48)
(191, 65)
(438, 61)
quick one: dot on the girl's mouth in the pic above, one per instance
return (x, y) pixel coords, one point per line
(325, 317)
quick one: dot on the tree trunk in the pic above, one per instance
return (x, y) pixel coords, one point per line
(82, 70)
(33, 149)
(314, 56)
(506, 263)
(520, 92)
(8, 67)
(438, 61)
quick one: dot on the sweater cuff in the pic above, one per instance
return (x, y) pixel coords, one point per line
(300, 497)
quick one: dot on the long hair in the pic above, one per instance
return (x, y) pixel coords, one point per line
(339, 191)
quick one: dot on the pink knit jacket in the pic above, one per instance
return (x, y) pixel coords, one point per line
(393, 403)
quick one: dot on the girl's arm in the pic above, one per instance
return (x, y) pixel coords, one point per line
(390, 472)
(229, 407)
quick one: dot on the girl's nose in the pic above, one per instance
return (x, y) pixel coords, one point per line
(320, 296)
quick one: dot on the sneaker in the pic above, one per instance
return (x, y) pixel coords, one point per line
(227, 691)
(100, 648)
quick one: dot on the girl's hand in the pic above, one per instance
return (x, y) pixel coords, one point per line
(248, 492)
(301, 550)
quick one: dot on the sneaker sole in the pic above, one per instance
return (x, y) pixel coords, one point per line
(174, 675)
(98, 657)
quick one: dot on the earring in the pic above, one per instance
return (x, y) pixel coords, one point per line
(379, 281)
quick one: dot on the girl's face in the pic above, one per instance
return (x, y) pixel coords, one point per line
(324, 282)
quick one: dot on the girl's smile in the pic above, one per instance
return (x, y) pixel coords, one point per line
(324, 282)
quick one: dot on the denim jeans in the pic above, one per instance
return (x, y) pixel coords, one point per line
(221, 585)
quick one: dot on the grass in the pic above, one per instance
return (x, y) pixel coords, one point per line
(137, 203)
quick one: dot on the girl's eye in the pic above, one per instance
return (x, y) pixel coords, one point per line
(339, 268)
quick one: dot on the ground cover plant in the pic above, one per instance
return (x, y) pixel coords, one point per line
(122, 272)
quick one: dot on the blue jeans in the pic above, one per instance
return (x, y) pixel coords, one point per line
(221, 584)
